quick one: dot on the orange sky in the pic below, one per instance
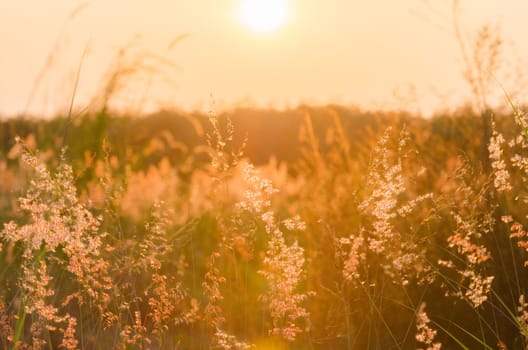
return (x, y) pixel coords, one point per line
(376, 53)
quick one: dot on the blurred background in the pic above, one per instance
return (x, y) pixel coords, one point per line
(377, 54)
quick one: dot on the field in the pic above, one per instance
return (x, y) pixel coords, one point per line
(311, 228)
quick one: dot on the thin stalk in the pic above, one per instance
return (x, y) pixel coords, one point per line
(20, 323)
(19, 327)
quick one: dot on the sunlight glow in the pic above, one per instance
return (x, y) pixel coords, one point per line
(263, 15)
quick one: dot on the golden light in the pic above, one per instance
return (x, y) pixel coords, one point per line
(263, 15)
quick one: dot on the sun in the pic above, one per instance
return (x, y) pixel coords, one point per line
(263, 15)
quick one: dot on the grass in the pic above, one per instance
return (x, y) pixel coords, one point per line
(363, 232)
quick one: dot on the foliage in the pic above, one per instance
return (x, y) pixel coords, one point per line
(309, 228)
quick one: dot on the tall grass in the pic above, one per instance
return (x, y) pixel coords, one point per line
(396, 240)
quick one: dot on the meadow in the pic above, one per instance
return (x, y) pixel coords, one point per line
(310, 228)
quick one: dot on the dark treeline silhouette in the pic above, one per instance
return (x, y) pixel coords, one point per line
(269, 133)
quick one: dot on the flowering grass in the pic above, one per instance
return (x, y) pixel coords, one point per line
(380, 242)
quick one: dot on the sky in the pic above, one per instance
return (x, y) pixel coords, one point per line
(190, 55)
